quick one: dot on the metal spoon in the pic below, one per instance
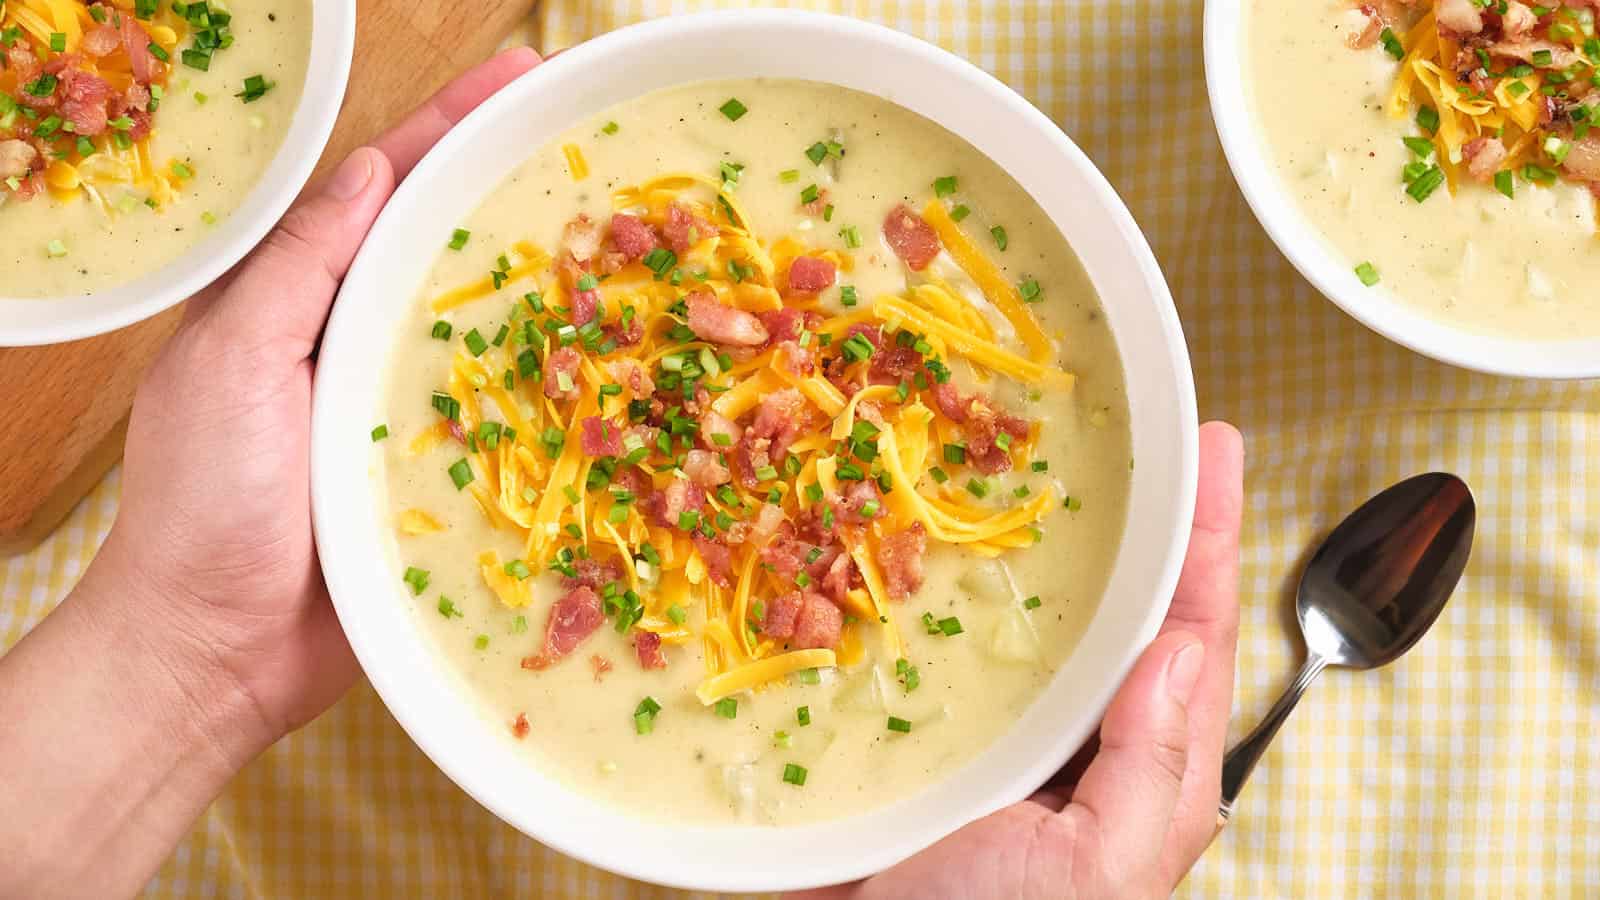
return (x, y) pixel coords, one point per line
(1373, 588)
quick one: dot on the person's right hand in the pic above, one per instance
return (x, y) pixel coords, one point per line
(1130, 817)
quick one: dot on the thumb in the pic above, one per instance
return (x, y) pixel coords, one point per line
(1127, 795)
(285, 288)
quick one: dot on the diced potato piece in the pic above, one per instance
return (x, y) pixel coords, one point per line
(989, 581)
(1014, 639)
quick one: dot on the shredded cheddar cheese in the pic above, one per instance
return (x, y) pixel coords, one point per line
(567, 450)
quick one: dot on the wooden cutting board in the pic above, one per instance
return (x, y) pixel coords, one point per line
(67, 405)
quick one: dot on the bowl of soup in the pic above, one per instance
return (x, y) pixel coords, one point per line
(146, 147)
(1428, 166)
(741, 468)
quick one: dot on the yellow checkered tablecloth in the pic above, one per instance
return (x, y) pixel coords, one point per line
(1462, 771)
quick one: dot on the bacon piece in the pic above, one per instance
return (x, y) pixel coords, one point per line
(456, 431)
(1372, 26)
(1518, 20)
(600, 665)
(781, 613)
(134, 104)
(893, 365)
(592, 573)
(21, 62)
(600, 437)
(581, 237)
(647, 646)
(818, 204)
(810, 274)
(767, 523)
(678, 497)
(872, 333)
(790, 555)
(841, 574)
(720, 324)
(704, 469)
(950, 402)
(136, 43)
(818, 624)
(520, 726)
(564, 361)
(911, 238)
(717, 557)
(1583, 160)
(572, 619)
(632, 374)
(797, 359)
(584, 306)
(900, 557)
(856, 497)
(713, 423)
(16, 158)
(1561, 56)
(632, 237)
(1484, 156)
(1460, 17)
(625, 335)
(683, 230)
(101, 40)
(987, 423)
(779, 420)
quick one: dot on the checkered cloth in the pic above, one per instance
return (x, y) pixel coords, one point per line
(1458, 772)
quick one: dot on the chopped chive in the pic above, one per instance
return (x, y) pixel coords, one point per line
(950, 627)
(795, 775)
(58, 42)
(447, 608)
(475, 342)
(1029, 290)
(610, 128)
(1428, 182)
(417, 579)
(847, 295)
(460, 473)
(1041, 465)
(959, 213)
(1032, 602)
(999, 237)
(810, 676)
(945, 186)
(733, 109)
(255, 87)
(852, 237)
(481, 642)
(727, 708)
(803, 715)
(900, 725)
(677, 614)
(789, 176)
(940, 476)
(1505, 184)
(1391, 44)
(1367, 273)
(459, 238)
(1428, 119)
(1422, 147)
(379, 433)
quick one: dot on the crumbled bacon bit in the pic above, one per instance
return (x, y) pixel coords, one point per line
(780, 419)
(16, 158)
(893, 365)
(713, 423)
(720, 324)
(817, 205)
(767, 523)
(632, 237)
(572, 619)
(136, 43)
(600, 437)
(683, 230)
(819, 623)
(584, 306)
(678, 497)
(900, 556)
(717, 557)
(647, 646)
(632, 374)
(1484, 156)
(841, 574)
(911, 238)
(520, 726)
(581, 237)
(592, 573)
(704, 469)
(810, 274)
(600, 665)
(781, 612)
(563, 361)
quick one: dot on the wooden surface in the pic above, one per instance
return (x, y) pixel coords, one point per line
(67, 405)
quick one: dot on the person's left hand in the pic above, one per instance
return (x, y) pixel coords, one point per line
(1132, 814)
(215, 517)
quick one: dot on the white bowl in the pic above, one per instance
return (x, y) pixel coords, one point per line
(422, 691)
(1227, 59)
(50, 320)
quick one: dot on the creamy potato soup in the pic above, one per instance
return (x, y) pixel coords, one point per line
(1444, 149)
(128, 128)
(755, 453)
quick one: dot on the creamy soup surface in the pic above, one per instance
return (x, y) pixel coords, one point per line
(1019, 615)
(1518, 266)
(66, 244)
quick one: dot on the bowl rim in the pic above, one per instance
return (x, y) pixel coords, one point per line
(350, 586)
(333, 34)
(1226, 57)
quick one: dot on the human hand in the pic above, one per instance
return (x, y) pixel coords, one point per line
(215, 515)
(1132, 814)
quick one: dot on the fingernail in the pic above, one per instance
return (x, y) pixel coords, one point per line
(1183, 670)
(351, 177)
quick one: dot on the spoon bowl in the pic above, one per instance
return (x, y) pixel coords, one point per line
(1374, 587)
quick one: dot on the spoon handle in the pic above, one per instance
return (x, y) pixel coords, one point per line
(1240, 760)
